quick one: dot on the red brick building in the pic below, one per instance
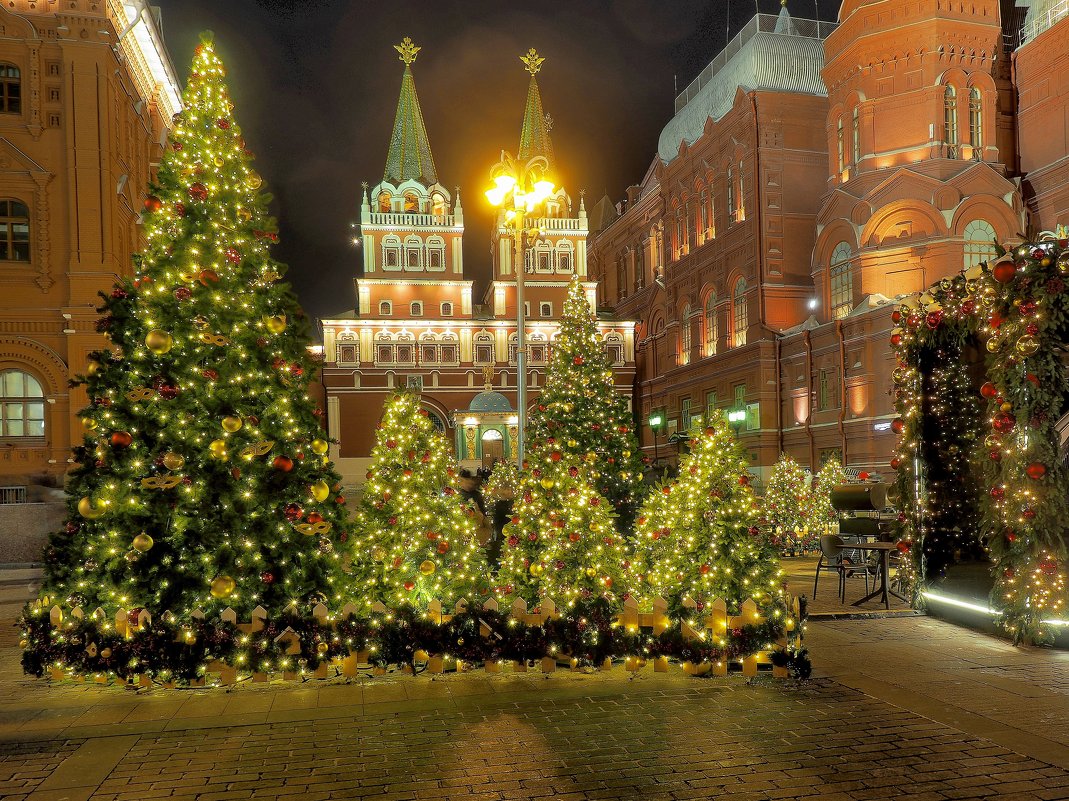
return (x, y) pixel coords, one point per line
(416, 322)
(812, 174)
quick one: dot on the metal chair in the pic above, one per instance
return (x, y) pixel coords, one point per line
(831, 558)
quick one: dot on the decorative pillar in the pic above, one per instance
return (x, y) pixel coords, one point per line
(469, 441)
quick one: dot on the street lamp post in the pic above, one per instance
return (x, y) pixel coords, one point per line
(519, 189)
(655, 422)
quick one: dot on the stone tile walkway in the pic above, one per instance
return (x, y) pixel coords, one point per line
(911, 708)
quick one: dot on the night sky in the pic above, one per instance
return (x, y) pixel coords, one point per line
(315, 83)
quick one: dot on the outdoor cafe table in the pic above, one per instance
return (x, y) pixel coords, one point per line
(884, 549)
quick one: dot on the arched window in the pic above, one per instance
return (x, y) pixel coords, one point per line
(413, 253)
(976, 122)
(438, 205)
(483, 346)
(565, 260)
(447, 309)
(435, 253)
(385, 308)
(416, 308)
(411, 203)
(391, 252)
(842, 281)
(685, 336)
(740, 314)
(22, 405)
(856, 137)
(731, 194)
(950, 121)
(712, 327)
(979, 242)
(10, 89)
(840, 143)
(14, 231)
(385, 202)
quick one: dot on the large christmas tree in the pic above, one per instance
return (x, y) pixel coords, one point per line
(582, 410)
(787, 505)
(562, 541)
(202, 480)
(697, 536)
(821, 513)
(414, 537)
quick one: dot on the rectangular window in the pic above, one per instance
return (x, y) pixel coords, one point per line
(703, 216)
(434, 259)
(484, 354)
(840, 144)
(428, 354)
(545, 309)
(740, 215)
(857, 137)
(681, 236)
(740, 396)
(527, 308)
(416, 309)
(415, 382)
(692, 228)
(684, 414)
(413, 258)
(710, 405)
(822, 390)
(447, 310)
(731, 194)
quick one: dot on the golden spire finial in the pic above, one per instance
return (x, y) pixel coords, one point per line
(783, 3)
(533, 61)
(408, 50)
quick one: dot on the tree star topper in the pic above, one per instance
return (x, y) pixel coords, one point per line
(533, 61)
(408, 50)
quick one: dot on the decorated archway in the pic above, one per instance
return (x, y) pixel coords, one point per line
(980, 387)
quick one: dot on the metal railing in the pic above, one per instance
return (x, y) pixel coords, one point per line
(1044, 21)
(12, 495)
(760, 23)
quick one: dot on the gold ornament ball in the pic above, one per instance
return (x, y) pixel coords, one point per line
(1027, 345)
(427, 567)
(994, 344)
(378, 554)
(322, 648)
(90, 509)
(105, 653)
(626, 454)
(276, 324)
(200, 322)
(173, 461)
(232, 423)
(222, 586)
(244, 214)
(89, 423)
(572, 443)
(547, 483)
(219, 161)
(536, 569)
(159, 342)
(24, 643)
(1006, 407)
(93, 367)
(142, 542)
(320, 490)
(591, 572)
(218, 448)
(320, 446)
(254, 181)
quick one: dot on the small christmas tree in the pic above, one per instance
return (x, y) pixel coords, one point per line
(821, 513)
(697, 536)
(202, 481)
(787, 506)
(582, 410)
(414, 537)
(562, 541)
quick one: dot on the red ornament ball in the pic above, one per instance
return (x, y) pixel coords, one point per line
(408, 585)
(121, 439)
(988, 390)
(896, 316)
(210, 374)
(180, 209)
(998, 493)
(167, 391)
(896, 463)
(573, 471)
(578, 360)
(704, 569)
(903, 546)
(1004, 423)
(282, 463)
(223, 123)
(898, 425)
(183, 293)
(995, 455)
(233, 255)
(933, 319)
(315, 517)
(267, 577)
(153, 203)
(391, 444)
(1004, 271)
(1036, 470)
(1029, 514)
(1032, 329)
(293, 512)
(896, 340)
(198, 192)
(555, 456)
(207, 277)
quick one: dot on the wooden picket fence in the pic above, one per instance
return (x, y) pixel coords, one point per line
(713, 622)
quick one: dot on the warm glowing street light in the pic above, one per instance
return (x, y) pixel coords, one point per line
(519, 189)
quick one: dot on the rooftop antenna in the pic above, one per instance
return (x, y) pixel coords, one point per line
(727, 24)
(675, 83)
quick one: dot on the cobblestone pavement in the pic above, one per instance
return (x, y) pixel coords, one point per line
(911, 709)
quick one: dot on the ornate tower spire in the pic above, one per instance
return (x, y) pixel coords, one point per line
(410, 149)
(534, 137)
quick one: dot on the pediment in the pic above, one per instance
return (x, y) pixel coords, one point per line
(13, 160)
(903, 184)
(981, 179)
(838, 205)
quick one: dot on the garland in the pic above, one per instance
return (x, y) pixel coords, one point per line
(989, 457)
(169, 651)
